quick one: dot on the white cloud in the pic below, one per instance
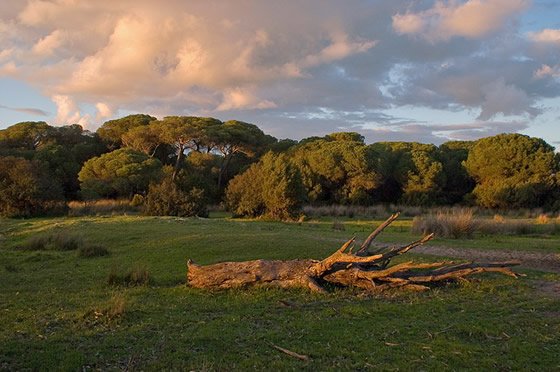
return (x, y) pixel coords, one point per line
(546, 36)
(448, 19)
(238, 98)
(548, 71)
(506, 99)
(279, 64)
(8, 69)
(104, 111)
(68, 112)
(47, 45)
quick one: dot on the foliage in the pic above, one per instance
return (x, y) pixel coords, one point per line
(27, 135)
(244, 194)
(345, 136)
(282, 190)
(186, 132)
(458, 182)
(121, 173)
(336, 171)
(238, 138)
(26, 190)
(410, 172)
(271, 187)
(513, 171)
(62, 149)
(111, 132)
(505, 171)
(201, 170)
(167, 199)
(143, 138)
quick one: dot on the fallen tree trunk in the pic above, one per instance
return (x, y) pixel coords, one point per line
(364, 269)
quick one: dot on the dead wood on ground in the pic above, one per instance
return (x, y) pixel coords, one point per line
(369, 270)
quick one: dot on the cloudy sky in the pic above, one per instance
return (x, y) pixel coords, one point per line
(417, 70)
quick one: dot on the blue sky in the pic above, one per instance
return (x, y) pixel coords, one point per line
(427, 71)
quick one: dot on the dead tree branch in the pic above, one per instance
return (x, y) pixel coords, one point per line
(363, 269)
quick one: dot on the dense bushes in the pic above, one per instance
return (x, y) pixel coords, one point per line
(205, 154)
(26, 189)
(167, 199)
(513, 171)
(121, 173)
(271, 187)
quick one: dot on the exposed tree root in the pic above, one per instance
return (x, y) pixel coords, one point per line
(363, 269)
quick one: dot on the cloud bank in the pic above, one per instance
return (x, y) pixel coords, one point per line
(295, 69)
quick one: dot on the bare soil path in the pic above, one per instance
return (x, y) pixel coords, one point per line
(532, 260)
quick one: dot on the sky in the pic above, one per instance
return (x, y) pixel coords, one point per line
(395, 70)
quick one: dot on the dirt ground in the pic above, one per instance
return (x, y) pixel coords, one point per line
(532, 260)
(549, 262)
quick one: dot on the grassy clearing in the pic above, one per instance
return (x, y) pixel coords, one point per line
(60, 312)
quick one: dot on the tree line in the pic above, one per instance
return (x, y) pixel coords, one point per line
(180, 164)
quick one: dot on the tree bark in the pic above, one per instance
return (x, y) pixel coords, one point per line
(178, 161)
(368, 270)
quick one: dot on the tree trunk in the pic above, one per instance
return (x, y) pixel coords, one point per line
(368, 270)
(223, 168)
(180, 156)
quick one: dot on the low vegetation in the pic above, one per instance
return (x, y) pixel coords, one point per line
(63, 241)
(103, 207)
(137, 275)
(462, 223)
(58, 311)
(167, 199)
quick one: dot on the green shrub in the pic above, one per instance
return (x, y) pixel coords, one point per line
(120, 173)
(27, 190)
(167, 199)
(244, 196)
(272, 188)
(513, 171)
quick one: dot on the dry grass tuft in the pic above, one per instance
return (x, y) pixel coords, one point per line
(103, 207)
(92, 250)
(542, 219)
(455, 223)
(117, 306)
(461, 223)
(499, 218)
(54, 241)
(63, 241)
(138, 275)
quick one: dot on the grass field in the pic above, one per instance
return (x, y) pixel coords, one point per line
(58, 311)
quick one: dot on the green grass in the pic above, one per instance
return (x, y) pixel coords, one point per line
(58, 311)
